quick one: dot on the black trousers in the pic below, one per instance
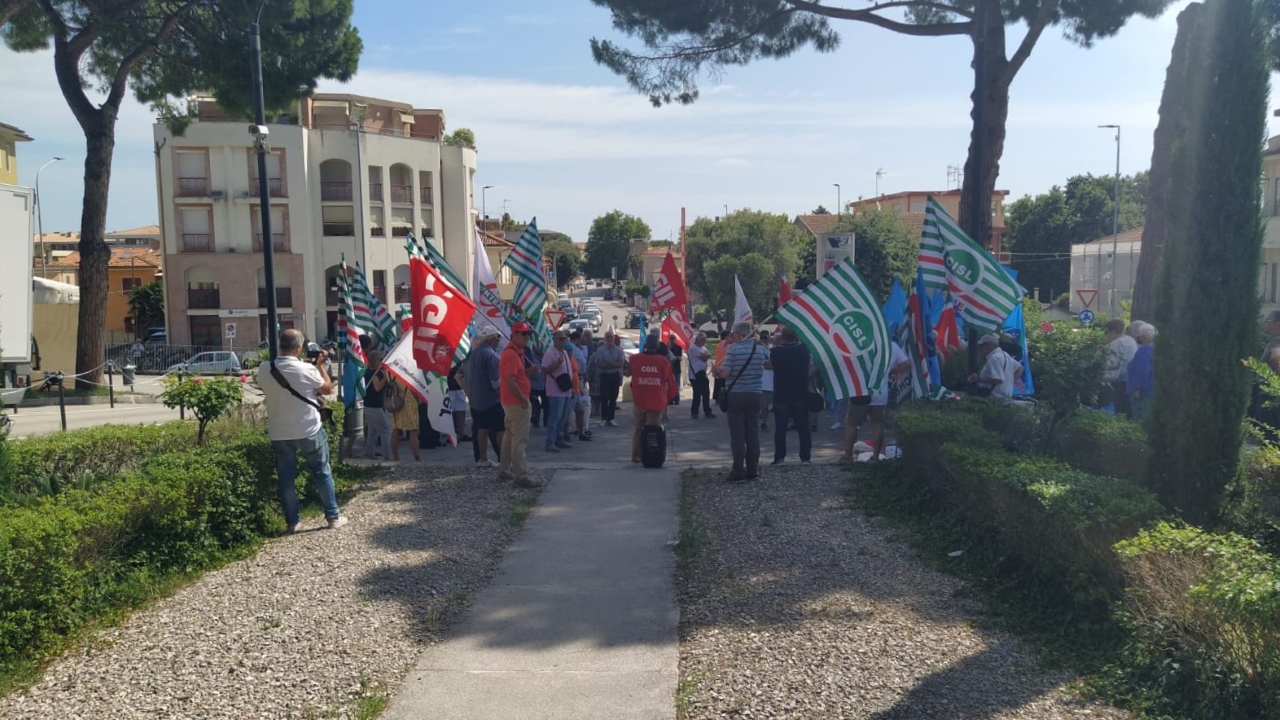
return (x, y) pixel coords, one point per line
(541, 410)
(783, 412)
(701, 392)
(610, 385)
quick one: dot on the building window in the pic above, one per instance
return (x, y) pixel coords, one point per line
(504, 275)
(129, 283)
(196, 225)
(380, 285)
(128, 325)
(206, 330)
(275, 173)
(338, 220)
(193, 173)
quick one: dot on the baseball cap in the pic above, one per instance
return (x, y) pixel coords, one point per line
(988, 339)
(522, 327)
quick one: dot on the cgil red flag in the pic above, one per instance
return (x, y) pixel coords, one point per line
(669, 291)
(948, 332)
(784, 292)
(676, 327)
(440, 317)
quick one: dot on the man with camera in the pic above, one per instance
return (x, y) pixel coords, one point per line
(292, 390)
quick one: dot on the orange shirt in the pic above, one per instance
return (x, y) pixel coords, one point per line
(652, 383)
(511, 364)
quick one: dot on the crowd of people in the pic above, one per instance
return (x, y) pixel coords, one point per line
(1129, 369)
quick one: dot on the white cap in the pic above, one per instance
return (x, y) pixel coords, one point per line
(989, 339)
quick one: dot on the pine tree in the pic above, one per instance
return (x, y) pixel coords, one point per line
(1207, 304)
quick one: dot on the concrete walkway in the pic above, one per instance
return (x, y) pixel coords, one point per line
(581, 620)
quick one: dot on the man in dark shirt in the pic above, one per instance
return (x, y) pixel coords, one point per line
(792, 366)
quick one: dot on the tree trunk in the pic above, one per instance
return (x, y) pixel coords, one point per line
(990, 111)
(1172, 128)
(91, 336)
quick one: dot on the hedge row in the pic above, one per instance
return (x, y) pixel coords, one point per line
(161, 509)
(1043, 519)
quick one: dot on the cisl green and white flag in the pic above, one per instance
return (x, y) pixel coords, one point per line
(840, 321)
(983, 292)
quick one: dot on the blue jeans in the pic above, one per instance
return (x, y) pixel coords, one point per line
(315, 451)
(560, 408)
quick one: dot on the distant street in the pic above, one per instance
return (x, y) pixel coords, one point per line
(41, 420)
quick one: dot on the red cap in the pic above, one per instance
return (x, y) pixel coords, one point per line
(521, 327)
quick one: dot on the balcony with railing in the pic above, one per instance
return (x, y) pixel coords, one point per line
(427, 196)
(377, 232)
(204, 299)
(400, 231)
(401, 193)
(375, 192)
(193, 187)
(284, 297)
(278, 242)
(335, 191)
(197, 242)
(338, 229)
(380, 292)
(402, 294)
(275, 187)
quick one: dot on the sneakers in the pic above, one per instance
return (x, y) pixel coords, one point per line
(585, 438)
(610, 423)
(526, 483)
(711, 416)
(563, 445)
(735, 478)
(295, 528)
(486, 463)
(337, 522)
(838, 425)
(776, 462)
(552, 448)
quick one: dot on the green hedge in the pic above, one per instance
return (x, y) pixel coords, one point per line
(1203, 612)
(1102, 444)
(1038, 517)
(46, 464)
(162, 509)
(1252, 503)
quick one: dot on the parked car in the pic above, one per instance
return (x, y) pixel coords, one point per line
(217, 362)
(629, 346)
(608, 294)
(635, 318)
(580, 324)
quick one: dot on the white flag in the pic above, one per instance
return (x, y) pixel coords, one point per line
(428, 387)
(488, 303)
(741, 310)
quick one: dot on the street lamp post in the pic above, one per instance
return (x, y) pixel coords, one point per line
(484, 202)
(1115, 224)
(261, 144)
(44, 259)
(839, 207)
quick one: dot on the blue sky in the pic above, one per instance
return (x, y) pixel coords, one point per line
(564, 139)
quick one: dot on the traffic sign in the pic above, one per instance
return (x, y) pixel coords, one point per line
(1087, 297)
(554, 317)
(231, 331)
(1086, 317)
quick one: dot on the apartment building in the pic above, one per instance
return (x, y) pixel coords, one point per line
(10, 136)
(348, 176)
(911, 204)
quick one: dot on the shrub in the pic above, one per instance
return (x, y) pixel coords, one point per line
(208, 398)
(1252, 503)
(1204, 616)
(48, 464)
(1102, 444)
(1067, 366)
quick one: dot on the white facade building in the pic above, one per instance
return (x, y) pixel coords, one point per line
(348, 176)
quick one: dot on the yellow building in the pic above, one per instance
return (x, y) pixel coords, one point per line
(10, 136)
(910, 205)
(127, 269)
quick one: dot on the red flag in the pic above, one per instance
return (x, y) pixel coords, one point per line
(671, 327)
(948, 332)
(440, 317)
(784, 292)
(669, 292)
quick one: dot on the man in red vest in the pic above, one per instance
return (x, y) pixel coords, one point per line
(652, 386)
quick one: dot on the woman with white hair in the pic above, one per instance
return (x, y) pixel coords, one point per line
(1140, 379)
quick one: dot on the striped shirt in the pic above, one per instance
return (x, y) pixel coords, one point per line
(739, 357)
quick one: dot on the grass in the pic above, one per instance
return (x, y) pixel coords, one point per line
(519, 510)
(373, 700)
(1006, 600)
(694, 536)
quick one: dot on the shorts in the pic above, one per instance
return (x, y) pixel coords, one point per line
(584, 401)
(859, 414)
(492, 419)
(457, 401)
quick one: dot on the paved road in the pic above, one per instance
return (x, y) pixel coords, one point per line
(41, 420)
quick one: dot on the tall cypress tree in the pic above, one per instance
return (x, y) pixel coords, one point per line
(1207, 303)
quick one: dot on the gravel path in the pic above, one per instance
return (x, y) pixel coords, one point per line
(798, 607)
(309, 625)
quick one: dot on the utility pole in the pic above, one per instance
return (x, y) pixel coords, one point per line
(839, 207)
(1115, 224)
(261, 145)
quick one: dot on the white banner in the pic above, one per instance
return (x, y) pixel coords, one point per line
(428, 387)
(488, 303)
(741, 310)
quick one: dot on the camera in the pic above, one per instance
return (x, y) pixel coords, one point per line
(313, 351)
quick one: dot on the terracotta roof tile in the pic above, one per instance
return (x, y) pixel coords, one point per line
(817, 224)
(1128, 236)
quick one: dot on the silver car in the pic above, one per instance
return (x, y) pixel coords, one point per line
(217, 362)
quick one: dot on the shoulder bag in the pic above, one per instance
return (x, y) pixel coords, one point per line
(564, 381)
(723, 402)
(393, 398)
(326, 412)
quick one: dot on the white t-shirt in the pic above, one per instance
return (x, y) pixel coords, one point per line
(288, 418)
(1001, 366)
(698, 357)
(881, 397)
(1119, 352)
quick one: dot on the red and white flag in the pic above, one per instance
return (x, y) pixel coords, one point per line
(669, 291)
(675, 326)
(784, 292)
(440, 317)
